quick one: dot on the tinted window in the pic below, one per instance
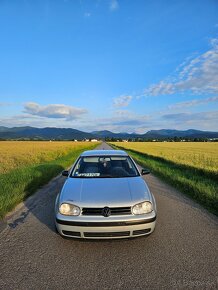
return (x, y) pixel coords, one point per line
(109, 166)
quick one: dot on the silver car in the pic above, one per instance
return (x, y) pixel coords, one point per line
(105, 197)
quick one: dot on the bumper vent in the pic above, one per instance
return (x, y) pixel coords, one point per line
(106, 235)
(141, 232)
(71, 234)
(113, 211)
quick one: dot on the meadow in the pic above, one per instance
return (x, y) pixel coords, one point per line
(192, 167)
(27, 165)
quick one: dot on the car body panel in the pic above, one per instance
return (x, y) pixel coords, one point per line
(92, 192)
(103, 230)
(100, 192)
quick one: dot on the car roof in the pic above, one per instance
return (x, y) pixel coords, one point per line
(104, 153)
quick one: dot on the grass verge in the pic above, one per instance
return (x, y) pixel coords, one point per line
(20, 183)
(199, 185)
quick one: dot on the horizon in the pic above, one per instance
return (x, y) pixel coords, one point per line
(90, 132)
(109, 65)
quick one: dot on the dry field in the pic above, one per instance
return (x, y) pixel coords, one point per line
(27, 165)
(202, 155)
(192, 167)
(16, 154)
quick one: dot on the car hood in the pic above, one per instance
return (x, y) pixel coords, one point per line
(100, 192)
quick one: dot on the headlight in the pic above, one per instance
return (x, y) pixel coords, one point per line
(142, 208)
(69, 209)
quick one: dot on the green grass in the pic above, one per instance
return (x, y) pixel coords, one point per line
(199, 185)
(19, 183)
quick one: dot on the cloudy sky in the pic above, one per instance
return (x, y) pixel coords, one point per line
(120, 65)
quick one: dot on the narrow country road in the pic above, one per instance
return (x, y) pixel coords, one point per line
(181, 254)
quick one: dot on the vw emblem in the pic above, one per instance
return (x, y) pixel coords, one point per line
(106, 212)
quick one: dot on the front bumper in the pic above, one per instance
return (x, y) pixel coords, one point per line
(111, 229)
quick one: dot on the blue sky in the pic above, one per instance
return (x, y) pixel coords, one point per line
(120, 65)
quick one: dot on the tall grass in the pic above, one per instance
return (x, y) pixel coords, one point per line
(24, 176)
(199, 183)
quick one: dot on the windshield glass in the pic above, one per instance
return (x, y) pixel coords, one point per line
(104, 166)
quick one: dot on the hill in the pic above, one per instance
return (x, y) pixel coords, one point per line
(43, 133)
(169, 133)
(52, 133)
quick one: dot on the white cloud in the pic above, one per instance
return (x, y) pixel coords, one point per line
(199, 75)
(193, 103)
(122, 101)
(123, 122)
(120, 121)
(114, 5)
(54, 111)
(131, 122)
(200, 120)
(162, 88)
(181, 121)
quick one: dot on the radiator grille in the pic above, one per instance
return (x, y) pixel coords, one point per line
(114, 211)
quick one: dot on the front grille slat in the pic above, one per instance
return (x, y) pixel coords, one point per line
(106, 234)
(114, 211)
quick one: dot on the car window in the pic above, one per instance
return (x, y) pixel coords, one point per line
(107, 167)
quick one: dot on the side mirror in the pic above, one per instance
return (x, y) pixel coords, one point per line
(145, 171)
(65, 173)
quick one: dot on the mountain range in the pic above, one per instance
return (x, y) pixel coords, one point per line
(52, 133)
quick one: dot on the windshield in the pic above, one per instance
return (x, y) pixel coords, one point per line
(101, 166)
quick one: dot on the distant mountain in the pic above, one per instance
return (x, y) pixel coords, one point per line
(109, 134)
(169, 133)
(103, 134)
(158, 134)
(2, 128)
(43, 133)
(50, 133)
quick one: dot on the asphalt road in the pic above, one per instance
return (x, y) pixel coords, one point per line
(181, 254)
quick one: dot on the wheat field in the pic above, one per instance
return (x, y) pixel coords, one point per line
(191, 167)
(27, 165)
(203, 155)
(16, 154)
